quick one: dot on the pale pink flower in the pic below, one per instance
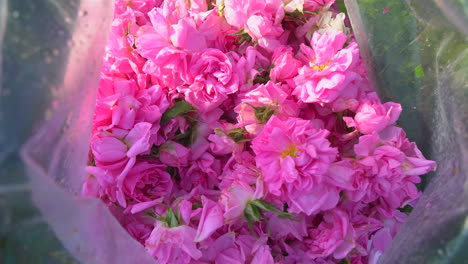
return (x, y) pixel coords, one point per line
(108, 151)
(211, 219)
(236, 198)
(247, 65)
(322, 197)
(186, 36)
(238, 12)
(172, 244)
(265, 28)
(221, 144)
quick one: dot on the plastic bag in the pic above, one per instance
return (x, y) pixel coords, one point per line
(51, 74)
(58, 86)
(417, 53)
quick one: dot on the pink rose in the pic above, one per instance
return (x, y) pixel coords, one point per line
(168, 67)
(312, 5)
(108, 151)
(236, 198)
(239, 168)
(238, 12)
(224, 250)
(203, 172)
(333, 236)
(265, 28)
(284, 64)
(263, 255)
(173, 244)
(261, 103)
(379, 242)
(372, 116)
(221, 144)
(211, 79)
(186, 36)
(326, 73)
(320, 198)
(147, 181)
(174, 154)
(292, 154)
(210, 220)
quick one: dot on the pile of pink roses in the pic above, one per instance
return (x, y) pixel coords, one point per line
(246, 131)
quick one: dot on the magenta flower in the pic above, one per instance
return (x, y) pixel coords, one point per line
(174, 154)
(147, 181)
(292, 154)
(333, 236)
(203, 172)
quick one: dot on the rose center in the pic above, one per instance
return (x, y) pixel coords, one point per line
(292, 151)
(320, 67)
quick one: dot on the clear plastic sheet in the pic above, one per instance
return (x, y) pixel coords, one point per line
(416, 52)
(47, 107)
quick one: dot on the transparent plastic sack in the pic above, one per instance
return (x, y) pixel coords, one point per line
(50, 74)
(416, 53)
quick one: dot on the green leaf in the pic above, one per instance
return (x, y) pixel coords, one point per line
(178, 109)
(237, 135)
(407, 209)
(161, 219)
(252, 212)
(419, 71)
(189, 136)
(249, 221)
(196, 206)
(270, 208)
(171, 218)
(342, 7)
(263, 113)
(344, 261)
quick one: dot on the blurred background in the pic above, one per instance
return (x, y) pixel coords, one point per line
(416, 51)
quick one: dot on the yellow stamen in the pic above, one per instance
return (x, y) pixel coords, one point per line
(291, 151)
(320, 67)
